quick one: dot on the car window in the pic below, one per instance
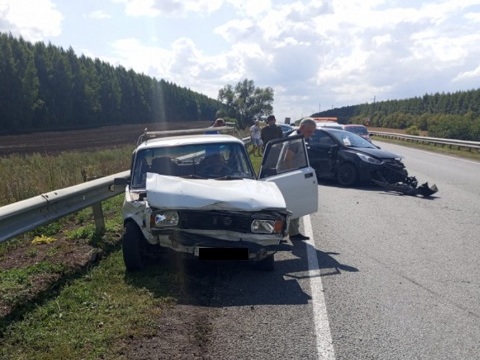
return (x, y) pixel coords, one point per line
(350, 139)
(206, 161)
(284, 156)
(321, 138)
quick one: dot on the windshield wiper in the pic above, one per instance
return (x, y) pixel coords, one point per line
(230, 177)
(194, 176)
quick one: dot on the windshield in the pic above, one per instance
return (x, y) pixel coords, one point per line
(332, 137)
(350, 139)
(199, 161)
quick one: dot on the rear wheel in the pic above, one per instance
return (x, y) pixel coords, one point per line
(347, 174)
(133, 246)
(267, 264)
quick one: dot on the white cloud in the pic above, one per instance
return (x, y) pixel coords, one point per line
(153, 8)
(33, 20)
(99, 15)
(468, 75)
(131, 53)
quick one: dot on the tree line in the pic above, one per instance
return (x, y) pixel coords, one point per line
(445, 115)
(44, 87)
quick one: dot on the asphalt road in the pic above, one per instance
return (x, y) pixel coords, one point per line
(417, 292)
(385, 276)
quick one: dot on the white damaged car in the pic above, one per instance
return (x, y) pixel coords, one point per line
(199, 195)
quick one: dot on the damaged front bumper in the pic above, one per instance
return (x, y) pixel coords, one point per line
(209, 248)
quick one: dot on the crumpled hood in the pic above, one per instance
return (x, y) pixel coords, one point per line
(244, 195)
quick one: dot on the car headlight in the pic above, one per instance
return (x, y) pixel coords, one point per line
(267, 226)
(164, 219)
(369, 159)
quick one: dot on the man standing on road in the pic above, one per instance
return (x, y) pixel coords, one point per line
(307, 128)
(271, 131)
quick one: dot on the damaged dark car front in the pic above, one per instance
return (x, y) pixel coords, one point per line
(350, 159)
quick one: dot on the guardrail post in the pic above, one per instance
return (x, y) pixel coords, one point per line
(96, 208)
(99, 219)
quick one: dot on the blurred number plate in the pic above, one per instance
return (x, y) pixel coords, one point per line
(221, 253)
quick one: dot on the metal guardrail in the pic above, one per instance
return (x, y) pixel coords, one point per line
(26, 215)
(468, 145)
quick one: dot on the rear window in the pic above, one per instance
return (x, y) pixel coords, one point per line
(360, 130)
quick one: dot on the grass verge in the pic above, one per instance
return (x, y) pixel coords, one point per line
(453, 151)
(91, 317)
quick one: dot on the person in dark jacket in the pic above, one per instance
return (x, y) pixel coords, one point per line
(271, 131)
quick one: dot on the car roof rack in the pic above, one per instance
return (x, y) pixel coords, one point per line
(147, 135)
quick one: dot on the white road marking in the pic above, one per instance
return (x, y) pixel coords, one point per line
(325, 348)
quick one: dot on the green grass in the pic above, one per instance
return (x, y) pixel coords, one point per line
(28, 176)
(15, 283)
(453, 151)
(92, 316)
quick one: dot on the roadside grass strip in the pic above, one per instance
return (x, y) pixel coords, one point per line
(93, 317)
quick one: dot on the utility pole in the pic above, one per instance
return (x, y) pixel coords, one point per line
(372, 112)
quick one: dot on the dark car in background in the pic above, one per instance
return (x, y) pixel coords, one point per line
(350, 159)
(358, 129)
(286, 129)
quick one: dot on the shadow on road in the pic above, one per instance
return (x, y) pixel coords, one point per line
(230, 283)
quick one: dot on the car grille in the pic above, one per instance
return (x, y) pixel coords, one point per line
(393, 171)
(220, 220)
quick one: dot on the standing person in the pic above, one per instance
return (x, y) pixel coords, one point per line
(271, 131)
(218, 123)
(307, 128)
(256, 139)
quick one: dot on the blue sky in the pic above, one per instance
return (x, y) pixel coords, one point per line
(314, 54)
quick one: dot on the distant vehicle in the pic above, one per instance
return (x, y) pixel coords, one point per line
(325, 122)
(358, 129)
(329, 124)
(199, 195)
(350, 159)
(324, 118)
(286, 129)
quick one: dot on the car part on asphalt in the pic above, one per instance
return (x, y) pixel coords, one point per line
(409, 186)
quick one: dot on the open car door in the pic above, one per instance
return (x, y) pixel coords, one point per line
(285, 162)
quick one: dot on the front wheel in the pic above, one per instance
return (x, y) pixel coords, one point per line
(347, 174)
(133, 246)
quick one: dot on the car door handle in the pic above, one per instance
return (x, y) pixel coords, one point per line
(308, 175)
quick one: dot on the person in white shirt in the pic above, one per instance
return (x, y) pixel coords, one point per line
(255, 137)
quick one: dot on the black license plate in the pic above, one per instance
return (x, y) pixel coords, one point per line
(223, 253)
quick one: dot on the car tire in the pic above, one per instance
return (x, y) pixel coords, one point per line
(347, 174)
(133, 247)
(267, 264)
